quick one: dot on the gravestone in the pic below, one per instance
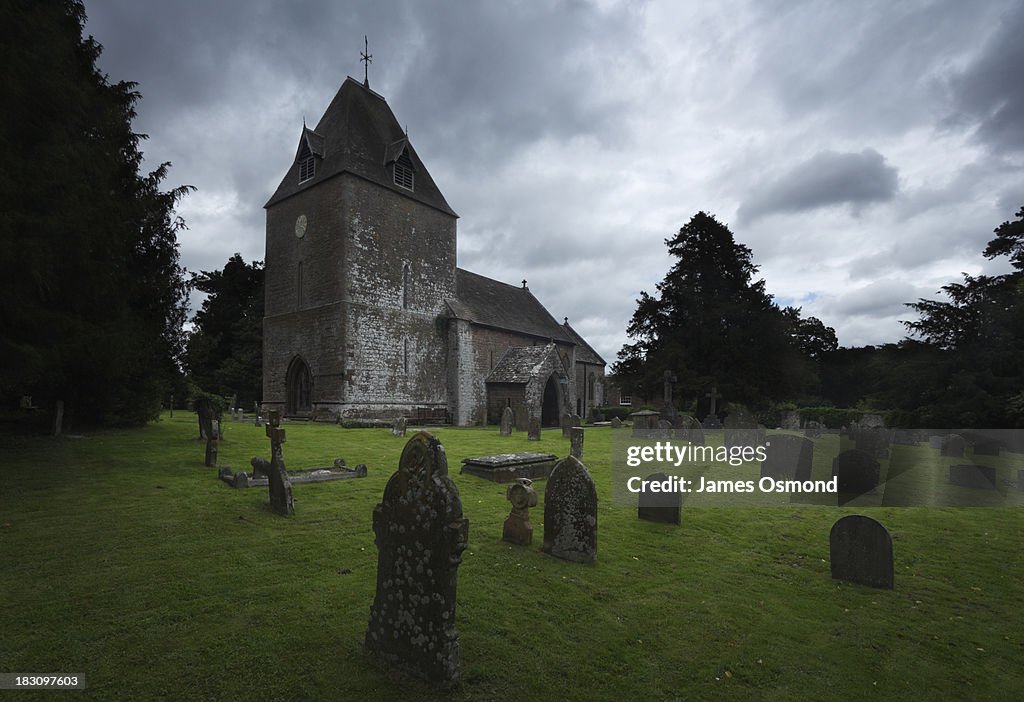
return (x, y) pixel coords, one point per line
(689, 429)
(281, 500)
(711, 421)
(522, 419)
(812, 429)
(204, 411)
(507, 420)
(645, 423)
(874, 441)
(570, 513)
(789, 420)
(533, 431)
(566, 423)
(616, 423)
(788, 457)
(972, 476)
(856, 472)
(986, 448)
(399, 427)
(576, 443)
(658, 506)
(953, 445)
(517, 528)
(211, 445)
(741, 429)
(861, 552)
(575, 421)
(420, 536)
(935, 441)
(902, 437)
(665, 429)
(668, 410)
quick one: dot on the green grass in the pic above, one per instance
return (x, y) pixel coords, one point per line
(126, 561)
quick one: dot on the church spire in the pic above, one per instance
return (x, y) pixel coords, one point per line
(366, 58)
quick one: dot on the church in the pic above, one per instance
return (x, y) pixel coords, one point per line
(368, 315)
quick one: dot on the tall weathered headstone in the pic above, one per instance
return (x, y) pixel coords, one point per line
(861, 552)
(570, 513)
(711, 421)
(576, 442)
(689, 429)
(420, 536)
(566, 422)
(856, 472)
(533, 431)
(398, 428)
(788, 457)
(656, 505)
(281, 500)
(645, 423)
(507, 420)
(517, 528)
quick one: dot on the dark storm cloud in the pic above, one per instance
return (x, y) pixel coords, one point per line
(827, 178)
(989, 93)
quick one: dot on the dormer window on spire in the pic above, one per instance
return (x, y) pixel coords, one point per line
(403, 171)
(307, 163)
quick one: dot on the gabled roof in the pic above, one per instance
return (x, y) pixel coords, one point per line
(357, 134)
(491, 303)
(519, 364)
(585, 353)
(314, 140)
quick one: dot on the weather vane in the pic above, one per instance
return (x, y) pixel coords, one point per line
(367, 58)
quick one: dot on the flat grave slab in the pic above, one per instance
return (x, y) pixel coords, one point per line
(507, 467)
(308, 475)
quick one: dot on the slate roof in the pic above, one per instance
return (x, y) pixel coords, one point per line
(518, 364)
(494, 304)
(358, 134)
(584, 351)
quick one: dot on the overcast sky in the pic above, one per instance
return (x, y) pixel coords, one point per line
(864, 151)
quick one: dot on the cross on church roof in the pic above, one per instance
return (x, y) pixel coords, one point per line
(366, 58)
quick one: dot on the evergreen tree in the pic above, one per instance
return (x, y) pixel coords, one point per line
(94, 297)
(711, 323)
(225, 351)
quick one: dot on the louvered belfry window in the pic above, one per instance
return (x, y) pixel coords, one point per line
(307, 164)
(403, 171)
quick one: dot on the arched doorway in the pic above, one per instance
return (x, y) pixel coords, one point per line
(550, 409)
(299, 388)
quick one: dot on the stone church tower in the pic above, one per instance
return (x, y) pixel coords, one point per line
(367, 314)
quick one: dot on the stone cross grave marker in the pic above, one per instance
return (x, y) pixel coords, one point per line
(507, 420)
(576, 442)
(861, 552)
(421, 535)
(656, 506)
(281, 500)
(517, 528)
(533, 431)
(570, 513)
(788, 457)
(711, 421)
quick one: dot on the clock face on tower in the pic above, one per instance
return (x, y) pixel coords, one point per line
(300, 226)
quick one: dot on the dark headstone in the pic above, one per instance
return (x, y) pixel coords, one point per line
(533, 430)
(971, 476)
(421, 535)
(861, 552)
(874, 441)
(570, 513)
(658, 506)
(616, 423)
(645, 423)
(953, 445)
(260, 467)
(576, 442)
(507, 420)
(986, 448)
(812, 429)
(241, 480)
(517, 529)
(856, 472)
(935, 442)
(788, 457)
(689, 429)
(360, 470)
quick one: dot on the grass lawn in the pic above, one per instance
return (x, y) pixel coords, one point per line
(125, 560)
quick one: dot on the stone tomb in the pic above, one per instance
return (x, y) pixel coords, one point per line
(507, 467)
(861, 552)
(659, 506)
(420, 536)
(570, 513)
(973, 476)
(856, 471)
(788, 457)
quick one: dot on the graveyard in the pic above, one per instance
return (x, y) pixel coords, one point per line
(130, 562)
